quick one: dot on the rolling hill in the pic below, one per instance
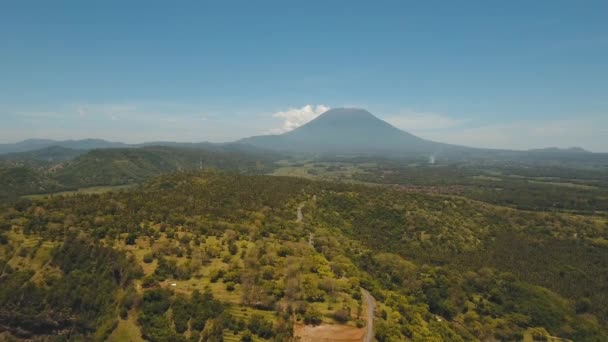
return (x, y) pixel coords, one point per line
(126, 165)
(117, 166)
(37, 144)
(47, 154)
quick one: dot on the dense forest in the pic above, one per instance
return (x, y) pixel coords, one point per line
(214, 256)
(526, 186)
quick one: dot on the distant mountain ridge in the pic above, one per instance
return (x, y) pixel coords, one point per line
(573, 149)
(37, 144)
(53, 146)
(335, 131)
(52, 153)
(339, 131)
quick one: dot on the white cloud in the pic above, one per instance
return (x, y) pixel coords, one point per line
(296, 117)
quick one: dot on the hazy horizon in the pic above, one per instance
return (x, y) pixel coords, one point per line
(516, 76)
(293, 118)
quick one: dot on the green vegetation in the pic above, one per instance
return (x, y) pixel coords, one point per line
(119, 166)
(40, 157)
(219, 256)
(445, 247)
(528, 187)
(15, 181)
(78, 299)
(110, 167)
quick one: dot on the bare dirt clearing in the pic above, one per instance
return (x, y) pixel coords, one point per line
(329, 333)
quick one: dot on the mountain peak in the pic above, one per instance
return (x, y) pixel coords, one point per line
(344, 119)
(343, 115)
(347, 112)
(344, 130)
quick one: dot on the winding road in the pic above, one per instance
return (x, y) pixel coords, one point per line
(370, 303)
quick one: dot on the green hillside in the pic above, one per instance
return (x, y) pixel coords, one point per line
(121, 166)
(16, 181)
(51, 154)
(223, 256)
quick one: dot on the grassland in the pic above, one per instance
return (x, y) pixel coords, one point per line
(127, 330)
(329, 171)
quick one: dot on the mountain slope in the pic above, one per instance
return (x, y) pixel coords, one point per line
(21, 180)
(352, 131)
(117, 166)
(37, 144)
(124, 165)
(48, 154)
(347, 130)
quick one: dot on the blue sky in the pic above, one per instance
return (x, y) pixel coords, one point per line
(509, 74)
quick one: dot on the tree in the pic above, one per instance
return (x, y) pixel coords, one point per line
(130, 240)
(313, 316)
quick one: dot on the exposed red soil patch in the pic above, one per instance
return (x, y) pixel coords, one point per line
(329, 333)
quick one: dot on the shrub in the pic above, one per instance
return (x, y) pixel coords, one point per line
(130, 240)
(284, 251)
(148, 258)
(341, 316)
(216, 275)
(124, 313)
(230, 286)
(148, 282)
(260, 326)
(247, 337)
(313, 316)
(539, 334)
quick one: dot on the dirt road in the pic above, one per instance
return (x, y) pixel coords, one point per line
(370, 303)
(300, 216)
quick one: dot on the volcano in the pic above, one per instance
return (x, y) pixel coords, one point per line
(347, 130)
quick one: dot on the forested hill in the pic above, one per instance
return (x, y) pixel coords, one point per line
(119, 166)
(24, 174)
(39, 157)
(38, 144)
(219, 256)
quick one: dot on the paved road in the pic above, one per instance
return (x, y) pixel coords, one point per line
(370, 303)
